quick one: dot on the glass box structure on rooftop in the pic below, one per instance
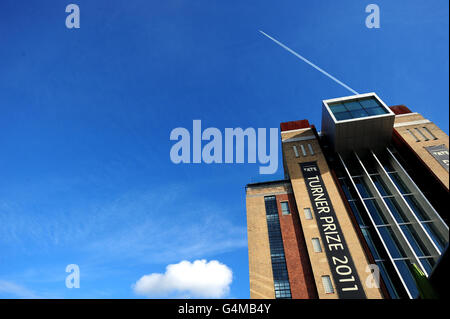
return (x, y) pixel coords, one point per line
(356, 122)
(357, 108)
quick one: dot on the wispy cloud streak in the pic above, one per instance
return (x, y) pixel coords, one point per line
(152, 225)
(309, 62)
(10, 289)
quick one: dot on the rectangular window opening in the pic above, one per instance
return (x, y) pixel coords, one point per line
(421, 134)
(316, 245)
(279, 267)
(303, 150)
(429, 132)
(311, 151)
(327, 284)
(308, 214)
(285, 208)
(413, 135)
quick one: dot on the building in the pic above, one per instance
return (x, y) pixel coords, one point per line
(366, 195)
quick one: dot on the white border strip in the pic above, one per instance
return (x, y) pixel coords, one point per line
(411, 123)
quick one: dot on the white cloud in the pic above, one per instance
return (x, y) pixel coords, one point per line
(198, 279)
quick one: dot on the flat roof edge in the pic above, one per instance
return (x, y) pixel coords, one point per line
(281, 181)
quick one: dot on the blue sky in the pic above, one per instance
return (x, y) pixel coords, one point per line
(86, 114)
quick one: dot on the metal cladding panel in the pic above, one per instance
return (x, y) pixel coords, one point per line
(328, 127)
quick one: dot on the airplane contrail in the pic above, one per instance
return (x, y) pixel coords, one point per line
(309, 62)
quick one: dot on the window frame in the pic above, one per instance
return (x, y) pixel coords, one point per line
(288, 208)
(317, 246)
(305, 209)
(330, 282)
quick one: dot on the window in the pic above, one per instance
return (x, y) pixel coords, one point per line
(308, 214)
(354, 166)
(373, 248)
(412, 134)
(296, 151)
(271, 205)
(428, 264)
(416, 207)
(421, 134)
(375, 111)
(359, 113)
(399, 183)
(311, 151)
(348, 189)
(375, 211)
(433, 232)
(380, 185)
(370, 164)
(387, 280)
(391, 242)
(429, 132)
(362, 187)
(303, 150)
(357, 208)
(384, 159)
(343, 116)
(357, 109)
(285, 208)
(395, 209)
(327, 284)
(404, 268)
(415, 241)
(279, 267)
(353, 106)
(316, 245)
(282, 289)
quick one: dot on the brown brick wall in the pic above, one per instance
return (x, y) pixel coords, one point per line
(301, 278)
